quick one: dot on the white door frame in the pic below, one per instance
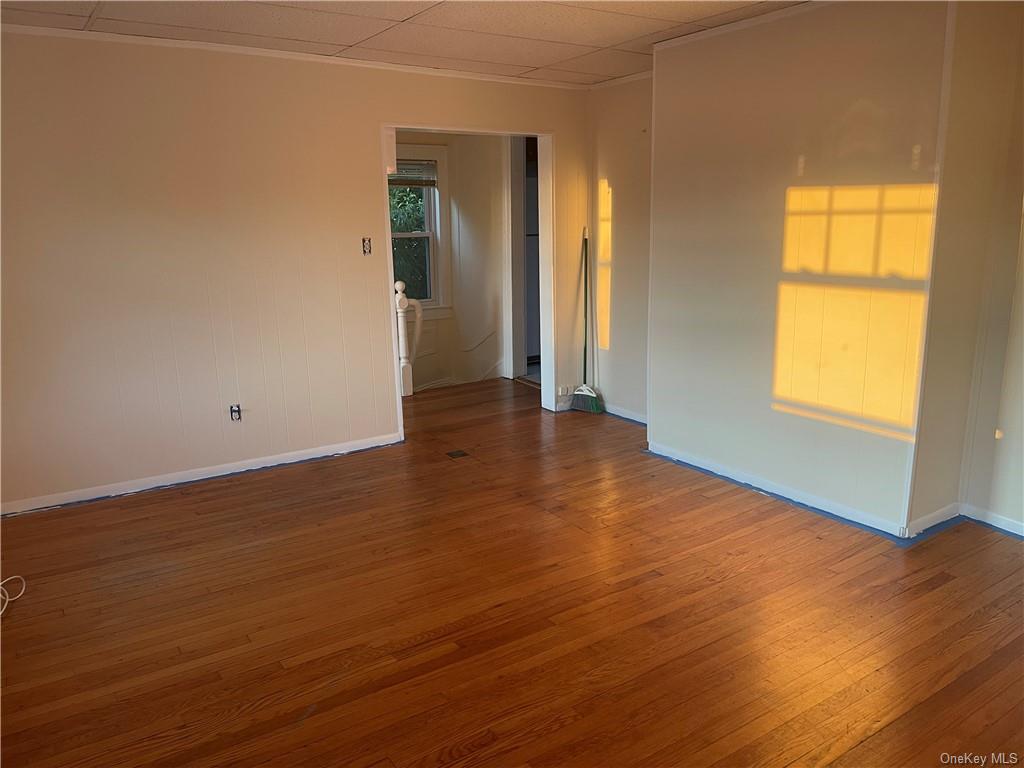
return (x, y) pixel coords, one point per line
(546, 216)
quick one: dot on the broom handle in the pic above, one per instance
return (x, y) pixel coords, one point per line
(586, 302)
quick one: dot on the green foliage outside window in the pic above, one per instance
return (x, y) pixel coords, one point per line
(408, 212)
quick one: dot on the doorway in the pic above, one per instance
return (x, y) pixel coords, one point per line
(531, 352)
(469, 235)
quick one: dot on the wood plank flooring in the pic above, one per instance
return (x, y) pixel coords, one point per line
(557, 597)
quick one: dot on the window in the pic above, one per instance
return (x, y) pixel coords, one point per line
(418, 208)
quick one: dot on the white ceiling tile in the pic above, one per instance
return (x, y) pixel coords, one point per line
(646, 43)
(34, 19)
(142, 29)
(609, 62)
(432, 62)
(672, 10)
(396, 10)
(540, 21)
(66, 7)
(278, 21)
(476, 46)
(558, 76)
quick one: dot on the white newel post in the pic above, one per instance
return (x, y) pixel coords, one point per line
(402, 308)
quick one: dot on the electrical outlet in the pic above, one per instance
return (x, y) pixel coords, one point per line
(235, 412)
(367, 246)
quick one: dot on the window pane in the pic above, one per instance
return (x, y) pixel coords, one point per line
(407, 208)
(412, 265)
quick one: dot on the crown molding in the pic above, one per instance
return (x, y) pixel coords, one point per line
(735, 26)
(159, 42)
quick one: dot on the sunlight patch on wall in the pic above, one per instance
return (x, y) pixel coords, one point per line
(604, 264)
(848, 347)
(868, 231)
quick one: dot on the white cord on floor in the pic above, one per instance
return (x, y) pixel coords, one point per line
(6, 598)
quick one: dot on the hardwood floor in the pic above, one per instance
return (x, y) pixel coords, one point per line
(557, 597)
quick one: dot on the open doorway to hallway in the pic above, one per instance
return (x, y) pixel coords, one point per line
(466, 251)
(530, 264)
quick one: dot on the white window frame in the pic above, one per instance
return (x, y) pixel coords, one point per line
(438, 208)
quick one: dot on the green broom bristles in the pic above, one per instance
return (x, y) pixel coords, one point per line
(587, 400)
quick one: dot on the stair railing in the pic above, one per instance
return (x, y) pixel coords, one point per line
(405, 355)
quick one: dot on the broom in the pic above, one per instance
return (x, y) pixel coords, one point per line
(585, 398)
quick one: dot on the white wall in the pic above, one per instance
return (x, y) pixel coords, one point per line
(465, 344)
(977, 237)
(181, 231)
(838, 95)
(620, 120)
(1005, 502)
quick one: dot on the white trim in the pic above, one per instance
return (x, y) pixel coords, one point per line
(625, 413)
(546, 211)
(988, 516)
(190, 475)
(162, 42)
(388, 148)
(546, 245)
(515, 311)
(507, 228)
(825, 505)
(648, 402)
(914, 527)
(940, 156)
(961, 509)
(734, 26)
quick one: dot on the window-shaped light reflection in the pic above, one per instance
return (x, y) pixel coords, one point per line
(604, 264)
(853, 348)
(869, 231)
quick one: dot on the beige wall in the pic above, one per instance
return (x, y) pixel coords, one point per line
(464, 344)
(976, 243)
(1006, 494)
(620, 120)
(832, 97)
(181, 231)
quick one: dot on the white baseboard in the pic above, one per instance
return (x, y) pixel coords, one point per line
(794, 494)
(625, 413)
(948, 512)
(189, 475)
(1002, 522)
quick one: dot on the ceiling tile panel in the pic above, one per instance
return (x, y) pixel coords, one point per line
(34, 19)
(646, 43)
(541, 21)
(395, 10)
(609, 62)
(671, 10)
(66, 7)
(432, 62)
(566, 41)
(278, 21)
(211, 36)
(476, 46)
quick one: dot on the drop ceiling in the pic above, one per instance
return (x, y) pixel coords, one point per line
(580, 43)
